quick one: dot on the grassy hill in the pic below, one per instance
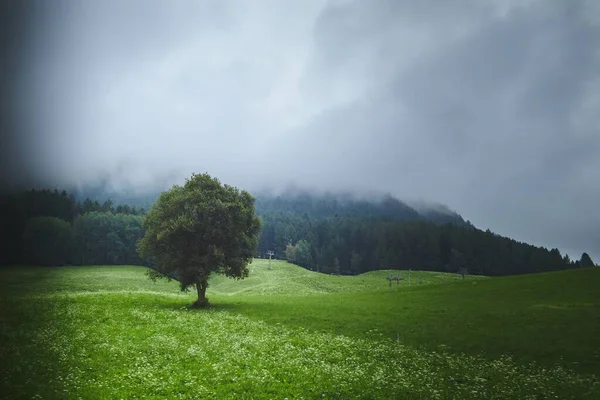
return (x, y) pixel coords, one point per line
(109, 332)
(290, 280)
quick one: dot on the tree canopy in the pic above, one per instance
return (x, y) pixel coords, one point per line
(197, 229)
(46, 241)
(586, 261)
(106, 238)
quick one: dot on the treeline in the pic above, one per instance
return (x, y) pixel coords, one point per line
(352, 238)
(48, 227)
(331, 234)
(290, 218)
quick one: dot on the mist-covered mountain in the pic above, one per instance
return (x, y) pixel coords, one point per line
(316, 205)
(130, 196)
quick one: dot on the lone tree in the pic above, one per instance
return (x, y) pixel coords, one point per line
(201, 228)
(586, 261)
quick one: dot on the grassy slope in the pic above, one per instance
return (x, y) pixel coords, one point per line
(290, 280)
(108, 332)
(541, 317)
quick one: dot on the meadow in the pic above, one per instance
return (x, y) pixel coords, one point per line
(107, 332)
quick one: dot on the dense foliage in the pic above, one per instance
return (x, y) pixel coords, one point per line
(200, 228)
(586, 261)
(354, 236)
(330, 233)
(47, 241)
(106, 238)
(96, 233)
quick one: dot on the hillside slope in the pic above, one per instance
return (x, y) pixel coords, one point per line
(548, 317)
(289, 279)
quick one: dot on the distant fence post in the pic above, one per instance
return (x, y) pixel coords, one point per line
(270, 253)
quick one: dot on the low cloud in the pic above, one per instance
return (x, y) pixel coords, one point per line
(488, 107)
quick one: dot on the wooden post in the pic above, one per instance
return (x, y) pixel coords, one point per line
(270, 253)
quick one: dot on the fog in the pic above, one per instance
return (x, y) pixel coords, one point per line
(489, 107)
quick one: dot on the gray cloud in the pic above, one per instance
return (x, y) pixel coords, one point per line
(489, 107)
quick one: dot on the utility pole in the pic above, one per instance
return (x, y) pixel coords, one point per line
(270, 253)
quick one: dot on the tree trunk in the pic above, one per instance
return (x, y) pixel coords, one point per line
(201, 288)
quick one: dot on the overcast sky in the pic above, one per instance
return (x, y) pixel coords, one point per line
(490, 107)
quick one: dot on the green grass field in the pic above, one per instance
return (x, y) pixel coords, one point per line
(110, 333)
